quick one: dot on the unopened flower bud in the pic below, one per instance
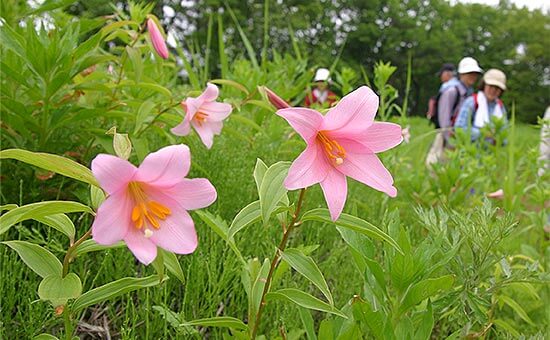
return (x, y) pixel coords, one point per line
(275, 100)
(157, 39)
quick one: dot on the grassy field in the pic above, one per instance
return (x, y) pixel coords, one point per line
(212, 274)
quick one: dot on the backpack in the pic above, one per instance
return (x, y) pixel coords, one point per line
(433, 106)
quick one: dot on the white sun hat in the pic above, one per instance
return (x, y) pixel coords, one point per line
(322, 74)
(496, 78)
(469, 65)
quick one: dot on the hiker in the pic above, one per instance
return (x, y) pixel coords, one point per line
(448, 103)
(447, 76)
(321, 95)
(482, 107)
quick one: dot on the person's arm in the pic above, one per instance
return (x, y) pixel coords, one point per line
(464, 118)
(444, 110)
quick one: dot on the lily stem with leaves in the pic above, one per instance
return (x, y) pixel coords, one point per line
(276, 260)
(70, 251)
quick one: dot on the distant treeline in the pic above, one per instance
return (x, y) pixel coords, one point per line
(363, 32)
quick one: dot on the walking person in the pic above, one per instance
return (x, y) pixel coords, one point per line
(480, 109)
(448, 103)
(447, 77)
(321, 95)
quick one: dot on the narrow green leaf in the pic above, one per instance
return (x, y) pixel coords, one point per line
(8, 207)
(144, 114)
(50, 6)
(50, 162)
(248, 215)
(231, 83)
(250, 50)
(507, 327)
(60, 222)
(425, 289)
(260, 103)
(113, 289)
(221, 45)
(374, 319)
(172, 264)
(59, 290)
(305, 300)
(45, 336)
(305, 265)
(137, 63)
(259, 172)
(351, 222)
(39, 210)
(218, 321)
(39, 259)
(424, 329)
(97, 196)
(517, 308)
(272, 189)
(90, 245)
(158, 264)
(307, 321)
(258, 287)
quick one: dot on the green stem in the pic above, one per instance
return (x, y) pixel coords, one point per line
(275, 262)
(70, 251)
(123, 60)
(68, 323)
(171, 106)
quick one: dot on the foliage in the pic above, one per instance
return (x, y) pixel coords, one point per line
(437, 261)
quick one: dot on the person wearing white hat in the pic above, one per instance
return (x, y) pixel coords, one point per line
(321, 95)
(448, 103)
(483, 107)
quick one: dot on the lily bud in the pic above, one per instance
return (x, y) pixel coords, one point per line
(157, 39)
(274, 99)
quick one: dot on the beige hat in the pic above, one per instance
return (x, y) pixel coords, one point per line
(496, 78)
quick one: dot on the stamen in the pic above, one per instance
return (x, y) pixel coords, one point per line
(146, 211)
(333, 149)
(200, 117)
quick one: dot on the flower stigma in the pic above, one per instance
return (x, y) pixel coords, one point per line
(332, 149)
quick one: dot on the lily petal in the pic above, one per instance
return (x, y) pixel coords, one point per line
(335, 189)
(216, 111)
(182, 129)
(305, 121)
(113, 219)
(140, 246)
(381, 136)
(190, 194)
(308, 169)
(165, 167)
(205, 133)
(366, 168)
(354, 112)
(112, 173)
(177, 233)
(210, 93)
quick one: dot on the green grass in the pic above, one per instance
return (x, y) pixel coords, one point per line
(212, 274)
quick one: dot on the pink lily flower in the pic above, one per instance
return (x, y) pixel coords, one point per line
(147, 205)
(157, 39)
(342, 143)
(204, 114)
